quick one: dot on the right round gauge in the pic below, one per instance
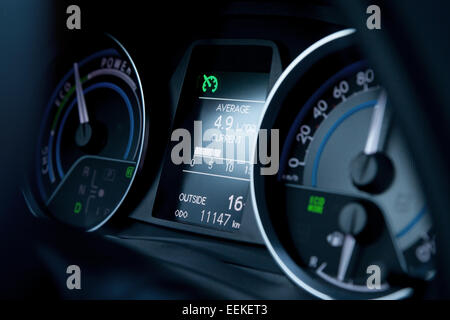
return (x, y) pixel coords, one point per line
(344, 216)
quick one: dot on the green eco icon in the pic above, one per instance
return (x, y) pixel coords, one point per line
(316, 204)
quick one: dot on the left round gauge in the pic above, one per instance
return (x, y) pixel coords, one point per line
(92, 135)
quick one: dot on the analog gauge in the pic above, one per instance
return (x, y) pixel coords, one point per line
(344, 216)
(92, 135)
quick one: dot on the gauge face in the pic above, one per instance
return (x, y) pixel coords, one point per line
(346, 202)
(92, 136)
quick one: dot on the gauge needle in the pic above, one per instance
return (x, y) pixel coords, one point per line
(346, 255)
(354, 227)
(372, 170)
(82, 109)
(83, 135)
(374, 138)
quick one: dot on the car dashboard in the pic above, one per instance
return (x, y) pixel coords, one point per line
(218, 150)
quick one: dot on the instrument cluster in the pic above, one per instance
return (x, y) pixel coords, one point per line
(258, 139)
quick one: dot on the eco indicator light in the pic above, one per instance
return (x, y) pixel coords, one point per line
(316, 204)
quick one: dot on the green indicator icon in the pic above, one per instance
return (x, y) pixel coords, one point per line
(210, 83)
(316, 204)
(129, 172)
(78, 207)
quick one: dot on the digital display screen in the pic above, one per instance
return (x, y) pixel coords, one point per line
(205, 179)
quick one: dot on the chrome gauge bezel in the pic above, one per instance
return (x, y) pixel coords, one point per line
(328, 45)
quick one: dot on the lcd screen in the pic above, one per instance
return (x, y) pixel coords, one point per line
(205, 179)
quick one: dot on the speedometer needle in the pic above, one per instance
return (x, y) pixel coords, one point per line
(372, 171)
(374, 138)
(346, 255)
(82, 109)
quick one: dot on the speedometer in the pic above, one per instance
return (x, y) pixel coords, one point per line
(344, 216)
